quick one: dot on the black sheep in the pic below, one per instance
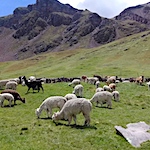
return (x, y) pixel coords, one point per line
(35, 85)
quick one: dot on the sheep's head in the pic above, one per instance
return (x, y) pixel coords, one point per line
(23, 100)
(55, 116)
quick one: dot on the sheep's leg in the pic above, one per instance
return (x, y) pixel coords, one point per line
(75, 118)
(9, 103)
(28, 89)
(87, 120)
(49, 113)
(69, 120)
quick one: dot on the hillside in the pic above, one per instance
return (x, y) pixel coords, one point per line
(50, 26)
(127, 57)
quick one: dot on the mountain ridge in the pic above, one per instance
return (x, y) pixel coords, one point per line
(49, 26)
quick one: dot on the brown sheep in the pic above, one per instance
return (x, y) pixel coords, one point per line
(139, 80)
(15, 94)
(112, 86)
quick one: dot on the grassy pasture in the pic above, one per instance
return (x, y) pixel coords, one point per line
(128, 57)
(20, 129)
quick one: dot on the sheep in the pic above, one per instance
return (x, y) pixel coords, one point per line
(107, 88)
(70, 96)
(148, 83)
(139, 80)
(92, 80)
(116, 96)
(75, 82)
(112, 86)
(78, 91)
(111, 79)
(73, 107)
(99, 77)
(3, 83)
(11, 85)
(99, 89)
(84, 78)
(34, 84)
(32, 78)
(102, 98)
(6, 96)
(97, 84)
(15, 94)
(16, 80)
(49, 103)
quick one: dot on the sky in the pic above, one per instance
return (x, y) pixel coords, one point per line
(105, 8)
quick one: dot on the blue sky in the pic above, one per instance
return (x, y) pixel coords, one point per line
(105, 8)
(8, 6)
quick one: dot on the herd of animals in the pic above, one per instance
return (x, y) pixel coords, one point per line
(72, 103)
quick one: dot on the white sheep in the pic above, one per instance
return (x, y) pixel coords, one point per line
(11, 85)
(49, 103)
(72, 108)
(116, 96)
(148, 83)
(102, 98)
(6, 96)
(3, 83)
(99, 89)
(107, 88)
(97, 84)
(92, 80)
(32, 78)
(78, 90)
(111, 79)
(70, 96)
(75, 82)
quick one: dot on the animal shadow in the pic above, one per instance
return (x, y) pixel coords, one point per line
(75, 126)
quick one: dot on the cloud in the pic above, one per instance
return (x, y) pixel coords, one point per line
(108, 8)
(105, 8)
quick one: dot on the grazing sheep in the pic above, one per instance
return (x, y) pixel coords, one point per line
(97, 84)
(6, 96)
(78, 90)
(99, 89)
(11, 85)
(84, 78)
(139, 80)
(34, 84)
(32, 78)
(70, 96)
(3, 83)
(16, 80)
(75, 82)
(74, 107)
(99, 77)
(49, 103)
(111, 79)
(112, 86)
(148, 83)
(92, 80)
(15, 94)
(107, 88)
(102, 98)
(116, 95)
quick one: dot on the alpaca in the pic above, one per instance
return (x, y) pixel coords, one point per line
(37, 84)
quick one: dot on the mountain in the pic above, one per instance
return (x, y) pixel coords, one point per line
(50, 26)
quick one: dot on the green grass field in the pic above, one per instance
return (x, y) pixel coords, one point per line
(129, 57)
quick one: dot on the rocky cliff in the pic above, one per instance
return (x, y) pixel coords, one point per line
(49, 26)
